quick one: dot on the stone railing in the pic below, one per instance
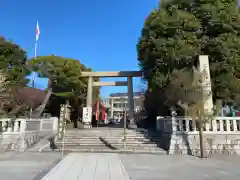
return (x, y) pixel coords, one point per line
(7, 126)
(187, 125)
(221, 135)
(23, 133)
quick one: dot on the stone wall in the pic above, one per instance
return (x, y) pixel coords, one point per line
(25, 133)
(180, 136)
(213, 143)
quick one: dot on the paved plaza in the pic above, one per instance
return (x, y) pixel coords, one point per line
(92, 166)
(26, 166)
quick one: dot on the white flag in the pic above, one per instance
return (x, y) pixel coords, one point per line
(37, 32)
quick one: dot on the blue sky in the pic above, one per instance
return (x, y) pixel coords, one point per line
(102, 34)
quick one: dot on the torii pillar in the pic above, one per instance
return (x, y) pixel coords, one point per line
(130, 100)
(89, 100)
(89, 92)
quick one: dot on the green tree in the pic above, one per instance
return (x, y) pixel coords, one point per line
(13, 71)
(178, 31)
(65, 79)
(13, 62)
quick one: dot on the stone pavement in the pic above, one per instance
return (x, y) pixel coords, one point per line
(92, 166)
(77, 166)
(165, 167)
(26, 166)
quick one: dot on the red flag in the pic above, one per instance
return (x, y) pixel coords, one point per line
(37, 32)
(103, 113)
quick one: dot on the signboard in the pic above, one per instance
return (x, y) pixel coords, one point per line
(87, 115)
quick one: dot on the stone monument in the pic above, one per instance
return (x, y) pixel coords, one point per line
(206, 82)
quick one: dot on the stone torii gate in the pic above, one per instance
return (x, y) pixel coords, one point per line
(128, 74)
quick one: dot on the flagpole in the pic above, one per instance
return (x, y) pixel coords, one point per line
(35, 55)
(33, 75)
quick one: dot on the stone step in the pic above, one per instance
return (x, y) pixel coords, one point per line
(119, 132)
(111, 131)
(107, 130)
(132, 151)
(112, 140)
(97, 147)
(116, 132)
(110, 134)
(110, 137)
(109, 141)
(110, 144)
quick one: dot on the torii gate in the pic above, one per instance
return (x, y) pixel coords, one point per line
(128, 74)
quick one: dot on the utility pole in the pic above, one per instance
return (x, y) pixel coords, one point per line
(125, 124)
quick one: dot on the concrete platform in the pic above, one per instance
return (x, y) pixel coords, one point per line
(90, 167)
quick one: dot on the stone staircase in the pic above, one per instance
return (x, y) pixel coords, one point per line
(109, 140)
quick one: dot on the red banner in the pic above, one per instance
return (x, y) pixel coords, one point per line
(97, 111)
(103, 113)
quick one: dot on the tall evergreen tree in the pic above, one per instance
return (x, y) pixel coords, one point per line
(178, 31)
(13, 62)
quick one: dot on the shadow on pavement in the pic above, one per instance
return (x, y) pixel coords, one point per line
(156, 137)
(163, 139)
(107, 144)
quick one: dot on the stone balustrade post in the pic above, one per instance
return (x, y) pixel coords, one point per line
(16, 126)
(23, 125)
(228, 128)
(4, 125)
(9, 127)
(214, 125)
(235, 125)
(187, 124)
(194, 125)
(207, 126)
(221, 125)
